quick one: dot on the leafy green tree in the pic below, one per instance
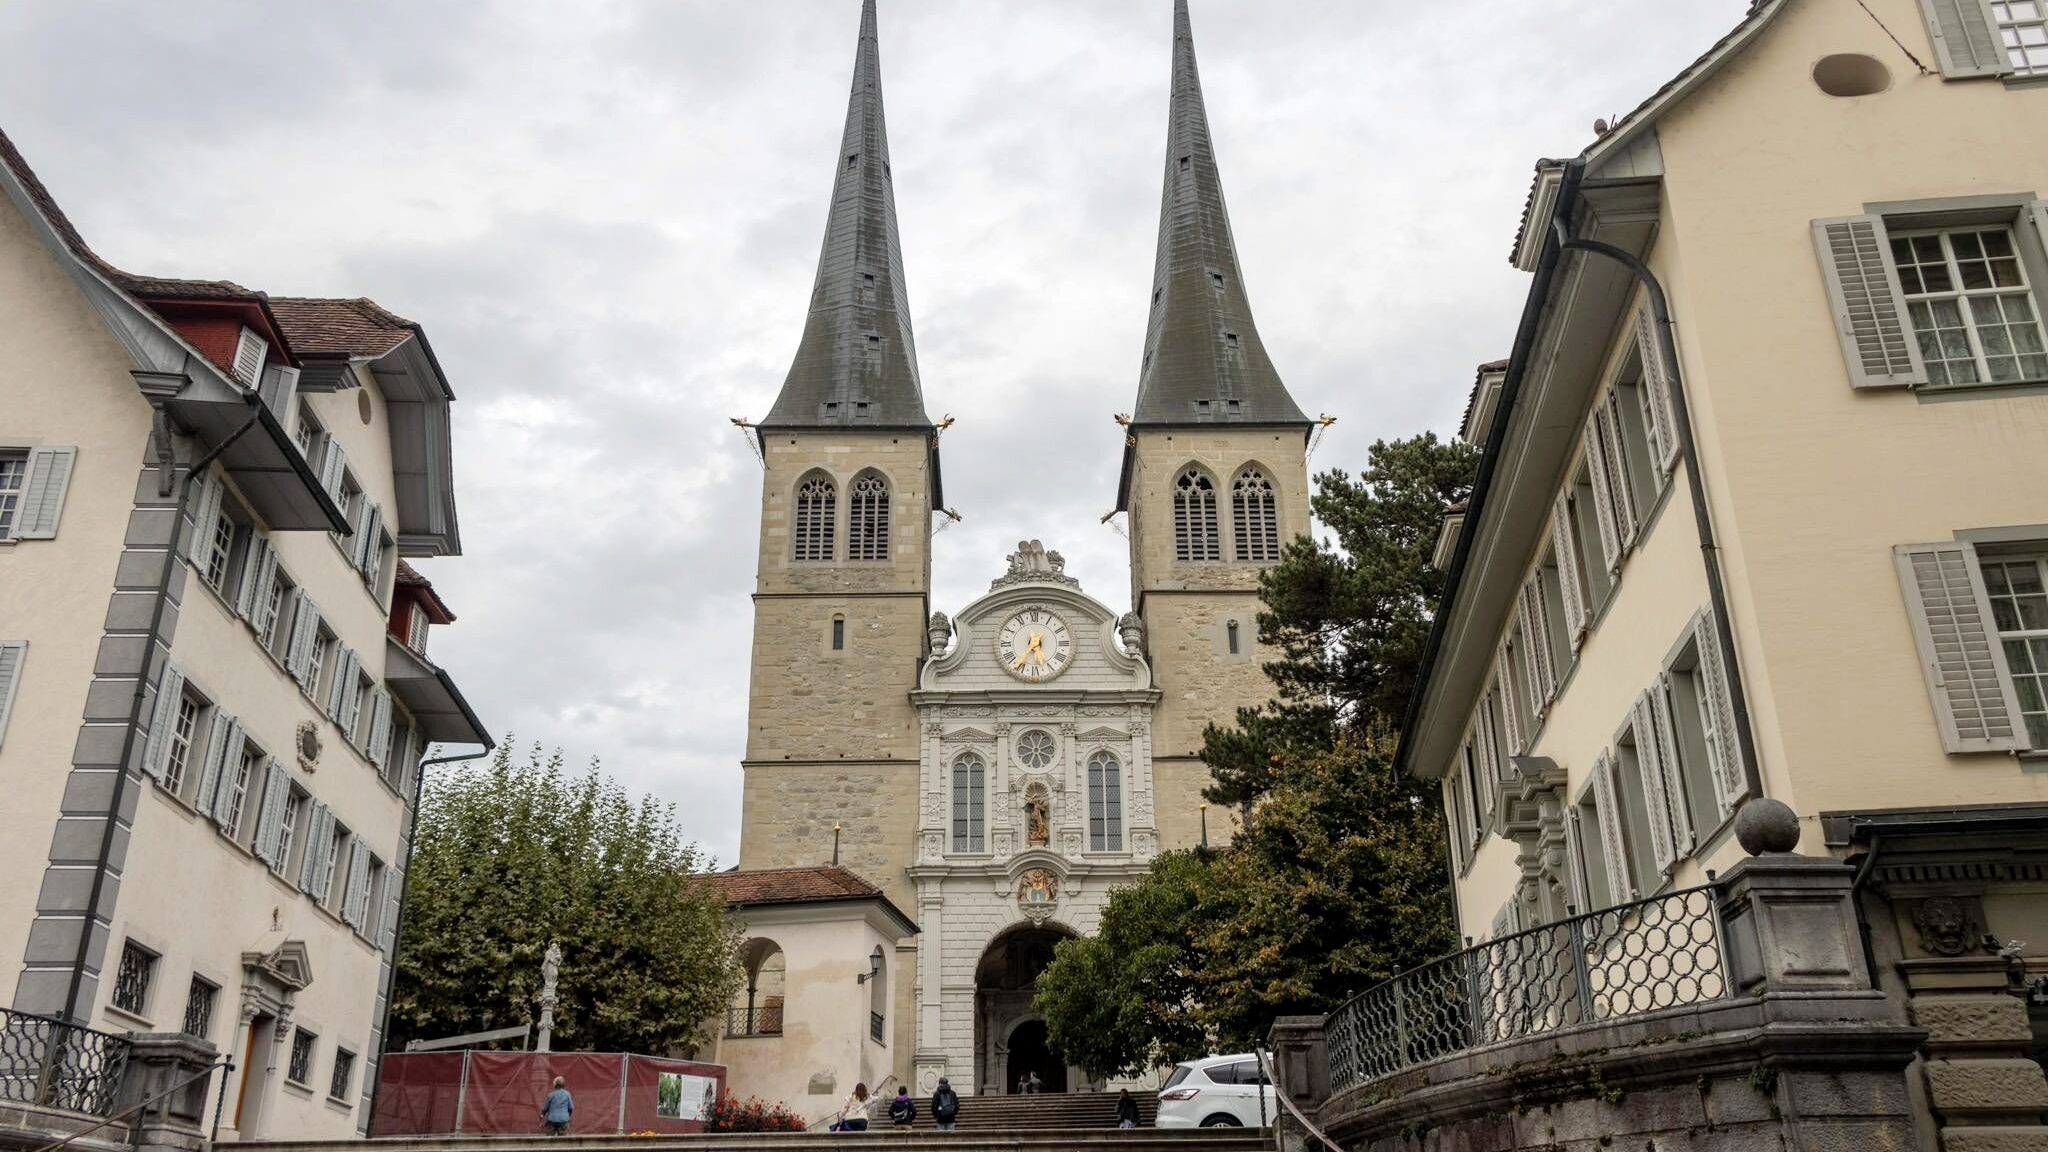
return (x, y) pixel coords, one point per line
(514, 855)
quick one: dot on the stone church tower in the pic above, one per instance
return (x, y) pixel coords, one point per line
(844, 576)
(1215, 469)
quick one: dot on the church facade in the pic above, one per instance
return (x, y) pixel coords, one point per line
(989, 776)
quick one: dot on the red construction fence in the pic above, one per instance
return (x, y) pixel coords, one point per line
(433, 1093)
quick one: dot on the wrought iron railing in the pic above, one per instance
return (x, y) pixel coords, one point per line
(762, 1021)
(54, 1064)
(1662, 952)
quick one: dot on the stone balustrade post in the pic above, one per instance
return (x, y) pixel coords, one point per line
(158, 1061)
(1788, 921)
(1300, 1052)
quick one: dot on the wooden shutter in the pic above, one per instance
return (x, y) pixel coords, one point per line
(277, 794)
(223, 806)
(209, 767)
(1657, 386)
(319, 825)
(1656, 798)
(1504, 691)
(1537, 635)
(1731, 783)
(170, 691)
(1503, 921)
(280, 385)
(369, 550)
(1603, 493)
(205, 510)
(351, 698)
(380, 726)
(12, 654)
(42, 493)
(1621, 886)
(1974, 704)
(1627, 516)
(356, 897)
(249, 352)
(333, 463)
(1684, 835)
(1966, 40)
(1567, 569)
(1486, 778)
(1575, 862)
(1868, 305)
(1454, 822)
(252, 573)
(261, 614)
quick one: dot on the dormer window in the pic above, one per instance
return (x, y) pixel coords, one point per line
(250, 350)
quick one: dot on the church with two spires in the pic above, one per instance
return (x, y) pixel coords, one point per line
(981, 780)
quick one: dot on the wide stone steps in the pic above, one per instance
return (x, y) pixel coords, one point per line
(874, 1140)
(1028, 1113)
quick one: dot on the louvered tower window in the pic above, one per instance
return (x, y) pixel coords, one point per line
(815, 500)
(1195, 535)
(1255, 517)
(867, 518)
(969, 814)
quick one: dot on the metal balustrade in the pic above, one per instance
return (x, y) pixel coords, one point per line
(55, 1064)
(1663, 952)
(759, 1021)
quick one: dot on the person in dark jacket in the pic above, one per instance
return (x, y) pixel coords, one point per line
(945, 1106)
(902, 1110)
(556, 1109)
(1126, 1110)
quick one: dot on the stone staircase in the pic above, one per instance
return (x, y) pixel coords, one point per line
(921, 1139)
(1025, 1114)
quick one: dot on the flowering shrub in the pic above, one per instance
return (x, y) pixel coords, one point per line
(751, 1115)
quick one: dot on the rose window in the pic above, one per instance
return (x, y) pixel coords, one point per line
(1035, 750)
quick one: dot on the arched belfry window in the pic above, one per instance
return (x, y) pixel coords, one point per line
(1105, 803)
(1254, 517)
(970, 820)
(867, 518)
(816, 511)
(1195, 535)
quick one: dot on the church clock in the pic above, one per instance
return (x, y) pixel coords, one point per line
(1034, 645)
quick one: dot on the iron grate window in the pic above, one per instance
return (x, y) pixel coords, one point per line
(199, 1001)
(133, 978)
(1195, 533)
(1255, 516)
(816, 500)
(867, 518)
(969, 797)
(301, 1065)
(344, 1071)
(1105, 803)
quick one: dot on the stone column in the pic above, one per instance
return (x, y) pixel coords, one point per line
(176, 1066)
(930, 1057)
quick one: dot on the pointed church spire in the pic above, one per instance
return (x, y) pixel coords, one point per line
(1203, 360)
(857, 364)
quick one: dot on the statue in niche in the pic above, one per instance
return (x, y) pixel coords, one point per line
(1038, 826)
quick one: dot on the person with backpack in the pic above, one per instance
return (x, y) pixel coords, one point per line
(945, 1106)
(902, 1110)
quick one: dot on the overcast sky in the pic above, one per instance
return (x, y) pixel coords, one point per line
(607, 218)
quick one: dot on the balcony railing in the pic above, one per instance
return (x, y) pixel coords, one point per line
(53, 1064)
(875, 1027)
(765, 1021)
(1663, 952)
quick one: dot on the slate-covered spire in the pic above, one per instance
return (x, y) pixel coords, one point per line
(857, 364)
(1203, 359)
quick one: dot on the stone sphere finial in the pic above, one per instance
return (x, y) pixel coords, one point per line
(1766, 825)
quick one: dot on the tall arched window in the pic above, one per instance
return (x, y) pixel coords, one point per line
(1105, 803)
(816, 511)
(1254, 517)
(970, 823)
(1195, 536)
(867, 518)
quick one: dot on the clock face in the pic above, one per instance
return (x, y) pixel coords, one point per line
(1034, 645)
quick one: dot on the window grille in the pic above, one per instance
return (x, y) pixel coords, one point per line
(301, 1065)
(133, 978)
(344, 1071)
(13, 474)
(815, 501)
(199, 1008)
(867, 518)
(1255, 516)
(969, 823)
(1195, 534)
(1105, 803)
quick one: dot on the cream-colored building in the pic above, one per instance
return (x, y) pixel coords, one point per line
(1798, 548)
(995, 773)
(214, 693)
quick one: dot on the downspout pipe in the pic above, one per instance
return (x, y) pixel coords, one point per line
(156, 623)
(1710, 555)
(412, 843)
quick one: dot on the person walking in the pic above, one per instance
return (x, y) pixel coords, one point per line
(945, 1106)
(1126, 1110)
(902, 1110)
(1033, 1085)
(854, 1117)
(557, 1108)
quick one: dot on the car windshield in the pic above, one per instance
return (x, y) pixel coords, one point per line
(1180, 1073)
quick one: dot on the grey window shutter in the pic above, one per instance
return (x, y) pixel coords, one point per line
(170, 691)
(1606, 800)
(1510, 717)
(1626, 516)
(2037, 210)
(1684, 835)
(333, 463)
(1731, 783)
(337, 692)
(280, 385)
(319, 826)
(1567, 570)
(1663, 842)
(402, 767)
(370, 550)
(1537, 632)
(294, 655)
(230, 764)
(261, 614)
(42, 493)
(379, 737)
(277, 794)
(1967, 677)
(355, 900)
(307, 630)
(1657, 383)
(1454, 822)
(1965, 38)
(209, 767)
(352, 698)
(1486, 780)
(1603, 493)
(1539, 609)
(1503, 921)
(1575, 861)
(205, 510)
(12, 655)
(252, 574)
(1868, 305)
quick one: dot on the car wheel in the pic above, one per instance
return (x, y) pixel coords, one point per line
(1221, 1121)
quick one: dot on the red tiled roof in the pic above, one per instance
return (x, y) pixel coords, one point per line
(791, 886)
(409, 577)
(355, 327)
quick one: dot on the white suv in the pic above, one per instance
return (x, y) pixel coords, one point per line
(1217, 1092)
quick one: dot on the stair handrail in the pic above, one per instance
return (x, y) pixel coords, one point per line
(1272, 1072)
(873, 1095)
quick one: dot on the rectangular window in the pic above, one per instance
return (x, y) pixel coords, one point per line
(969, 826)
(1553, 619)
(1515, 677)
(199, 1001)
(133, 979)
(1627, 409)
(182, 732)
(1595, 581)
(1631, 791)
(1968, 300)
(344, 1073)
(286, 826)
(355, 509)
(238, 790)
(300, 1068)
(273, 629)
(316, 663)
(330, 867)
(13, 475)
(838, 634)
(1693, 736)
(2019, 610)
(1105, 803)
(416, 631)
(373, 903)
(2023, 32)
(1457, 824)
(1590, 854)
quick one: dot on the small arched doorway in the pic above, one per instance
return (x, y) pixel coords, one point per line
(1009, 1035)
(1031, 1051)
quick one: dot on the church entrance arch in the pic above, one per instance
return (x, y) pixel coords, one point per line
(1010, 1036)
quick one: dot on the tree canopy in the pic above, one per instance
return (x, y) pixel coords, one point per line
(516, 854)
